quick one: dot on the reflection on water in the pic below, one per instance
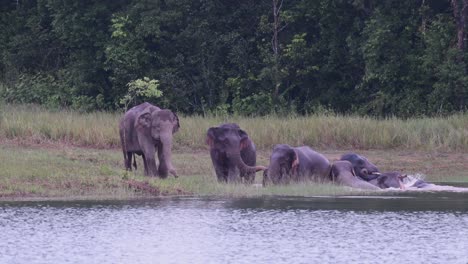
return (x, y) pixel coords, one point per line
(429, 229)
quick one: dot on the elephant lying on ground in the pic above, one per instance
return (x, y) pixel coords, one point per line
(145, 129)
(389, 180)
(295, 164)
(362, 166)
(233, 154)
(342, 172)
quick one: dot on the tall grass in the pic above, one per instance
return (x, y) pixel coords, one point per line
(100, 129)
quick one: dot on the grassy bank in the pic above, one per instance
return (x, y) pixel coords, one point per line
(42, 154)
(100, 130)
(76, 173)
(64, 172)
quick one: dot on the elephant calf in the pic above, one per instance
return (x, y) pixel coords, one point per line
(342, 172)
(233, 153)
(145, 129)
(297, 164)
(389, 180)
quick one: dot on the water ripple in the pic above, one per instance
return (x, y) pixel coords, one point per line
(201, 231)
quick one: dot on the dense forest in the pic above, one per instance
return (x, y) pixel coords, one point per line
(393, 57)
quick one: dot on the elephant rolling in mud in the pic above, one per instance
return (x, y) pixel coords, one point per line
(342, 172)
(144, 130)
(391, 179)
(362, 166)
(233, 154)
(295, 164)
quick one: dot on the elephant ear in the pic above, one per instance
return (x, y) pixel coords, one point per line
(144, 119)
(244, 139)
(175, 120)
(210, 136)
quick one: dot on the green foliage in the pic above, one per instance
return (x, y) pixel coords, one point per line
(145, 88)
(381, 58)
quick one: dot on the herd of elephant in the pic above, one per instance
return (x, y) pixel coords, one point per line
(146, 130)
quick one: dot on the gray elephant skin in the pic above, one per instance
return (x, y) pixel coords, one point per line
(144, 130)
(391, 179)
(362, 166)
(233, 154)
(295, 164)
(342, 172)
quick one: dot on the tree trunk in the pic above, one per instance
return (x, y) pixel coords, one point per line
(460, 13)
(275, 46)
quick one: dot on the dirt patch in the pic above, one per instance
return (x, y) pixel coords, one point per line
(50, 144)
(143, 187)
(17, 194)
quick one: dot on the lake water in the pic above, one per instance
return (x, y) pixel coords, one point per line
(424, 228)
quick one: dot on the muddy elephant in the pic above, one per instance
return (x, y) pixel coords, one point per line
(144, 130)
(233, 154)
(342, 172)
(295, 164)
(362, 166)
(391, 179)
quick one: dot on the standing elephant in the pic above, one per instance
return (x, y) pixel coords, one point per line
(362, 166)
(145, 129)
(233, 153)
(342, 172)
(297, 164)
(389, 180)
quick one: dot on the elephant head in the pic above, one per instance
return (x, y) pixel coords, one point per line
(155, 129)
(284, 162)
(362, 166)
(226, 143)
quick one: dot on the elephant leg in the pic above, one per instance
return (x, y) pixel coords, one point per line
(221, 173)
(233, 175)
(128, 161)
(219, 164)
(134, 161)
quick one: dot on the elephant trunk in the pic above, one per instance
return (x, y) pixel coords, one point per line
(237, 160)
(165, 157)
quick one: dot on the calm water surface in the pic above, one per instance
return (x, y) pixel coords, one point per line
(420, 229)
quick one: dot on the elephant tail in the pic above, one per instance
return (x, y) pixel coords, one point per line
(134, 161)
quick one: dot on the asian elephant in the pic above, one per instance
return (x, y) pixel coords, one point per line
(362, 166)
(391, 179)
(144, 130)
(233, 154)
(295, 164)
(342, 172)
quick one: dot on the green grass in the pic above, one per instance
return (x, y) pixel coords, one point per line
(64, 172)
(42, 154)
(72, 173)
(100, 130)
